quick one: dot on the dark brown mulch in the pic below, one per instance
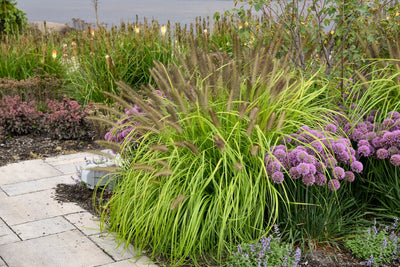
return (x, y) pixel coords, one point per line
(17, 148)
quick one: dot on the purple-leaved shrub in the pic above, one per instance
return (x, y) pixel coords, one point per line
(18, 117)
(316, 155)
(67, 119)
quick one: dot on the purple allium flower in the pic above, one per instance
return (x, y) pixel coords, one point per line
(349, 176)
(303, 168)
(338, 173)
(276, 166)
(278, 177)
(317, 146)
(363, 142)
(308, 179)
(356, 167)
(280, 153)
(364, 151)
(286, 140)
(301, 156)
(320, 179)
(382, 153)
(376, 142)
(370, 136)
(319, 167)
(330, 162)
(331, 128)
(333, 184)
(357, 135)
(395, 160)
(393, 150)
(294, 174)
(339, 148)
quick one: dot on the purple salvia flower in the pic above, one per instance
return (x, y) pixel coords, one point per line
(278, 177)
(395, 160)
(370, 262)
(333, 184)
(356, 167)
(297, 256)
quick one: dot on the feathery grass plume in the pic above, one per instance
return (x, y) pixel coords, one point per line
(242, 109)
(192, 147)
(163, 163)
(142, 167)
(271, 121)
(250, 127)
(238, 166)
(219, 142)
(254, 150)
(109, 169)
(178, 200)
(159, 147)
(253, 113)
(174, 125)
(214, 117)
(164, 172)
(281, 120)
(111, 145)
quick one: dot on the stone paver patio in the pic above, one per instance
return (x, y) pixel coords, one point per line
(36, 230)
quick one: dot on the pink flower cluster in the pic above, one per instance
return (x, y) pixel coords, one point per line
(316, 155)
(380, 140)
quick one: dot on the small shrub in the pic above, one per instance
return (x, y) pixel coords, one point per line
(67, 120)
(376, 246)
(269, 251)
(18, 117)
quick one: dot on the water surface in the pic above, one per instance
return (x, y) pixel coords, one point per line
(113, 11)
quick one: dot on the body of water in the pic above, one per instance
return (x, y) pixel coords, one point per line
(114, 11)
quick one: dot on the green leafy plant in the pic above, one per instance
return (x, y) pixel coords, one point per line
(12, 19)
(197, 175)
(378, 246)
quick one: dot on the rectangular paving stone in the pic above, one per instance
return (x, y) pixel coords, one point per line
(84, 221)
(141, 262)
(36, 185)
(6, 235)
(110, 245)
(33, 206)
(67, 249)
(72, 164)
(26, 171)
(42, 228)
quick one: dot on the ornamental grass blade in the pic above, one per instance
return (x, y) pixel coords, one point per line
(178, 200)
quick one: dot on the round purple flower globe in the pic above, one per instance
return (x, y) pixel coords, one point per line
(338, 173)
(393, 150)
(308, 179)
(303, 168)
(333, 184)
(331, 128)
(280, 153)
(382, 153)
(349, 176)
(294, 174)
(320, 179)
(277, 177)
(364, 151)
(395, 160)
(356, 167)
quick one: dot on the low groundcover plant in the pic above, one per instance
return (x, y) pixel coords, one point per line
(269, 251)
(376, 246)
